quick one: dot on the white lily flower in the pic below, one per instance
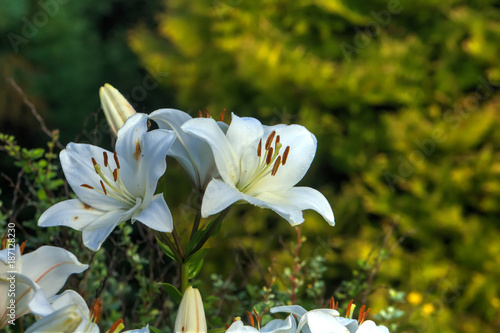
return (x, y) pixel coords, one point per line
(328, 321)
(116, 108)
(55, 306)
(114, 187)
(44, 270)
(191, 315)
(274, 326)
(261, 165)
(192, 153)
(314, 321)
(65, 320)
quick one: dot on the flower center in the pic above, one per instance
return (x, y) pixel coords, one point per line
(115, 187)
(269, 160)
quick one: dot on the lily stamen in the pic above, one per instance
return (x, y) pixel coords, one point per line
(285, 154)
(105, 155)
(259, 148)
(116, 159)
(269, 156)
(270, 139)
(103, 188)
(276, 166)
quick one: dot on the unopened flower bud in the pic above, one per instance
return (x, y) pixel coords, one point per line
(116, 108)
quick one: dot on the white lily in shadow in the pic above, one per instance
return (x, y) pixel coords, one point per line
(261, 165)
(114, 187)
(44, 270)
(67, 312)
(192, 153)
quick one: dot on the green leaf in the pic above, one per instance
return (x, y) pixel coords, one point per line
(199, 255)
(194, 269)
(173, 292)
(167, 250)
(154, 329)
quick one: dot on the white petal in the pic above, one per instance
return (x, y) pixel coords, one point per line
(293, 309)
(157, 215)
(72, 213)
(76, 161)
(225, 158)
(129, 137)
(94, 237)
(153, 165)
(350, 324)
(50, 267)
(309, 198)
(39, 304)
(321, 322)
(242, 132)
(280, 326)
(69, 297)
(25, 288)
(238, 327)
(275, 201)
(218, 196)
(370, 327)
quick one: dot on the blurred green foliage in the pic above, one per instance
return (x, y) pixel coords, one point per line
(402, 96)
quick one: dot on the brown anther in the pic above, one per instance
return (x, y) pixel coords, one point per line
(285, 154)
(259, 148)
(105, 155)
(250, 317)
(332, 303)
(276, 166)
(22, 246)
(277, 141)
(87, 186)
(361, 319)
(222, 114)
(115, 156)
(149, 123)
(115, 325)
(200, 114)
(348, 311)
(270, 139)
(227, 326)
(115, 175)
(103, 188)
(94, 162)
(269, 156)
(207, 114)
(96, 308)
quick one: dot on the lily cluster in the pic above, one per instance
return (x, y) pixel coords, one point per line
(244, 161)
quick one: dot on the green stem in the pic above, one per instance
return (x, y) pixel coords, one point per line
(178, 243)
(184, 277)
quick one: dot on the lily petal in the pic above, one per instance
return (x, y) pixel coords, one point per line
(370, 327)
(225, 158)
(65, 320)
(243, 132)
(218, 196)
(238, 327)
(157, 215)
(50, 267)
(309, 198)
(72, 213)
(321, 322)
(302, 150)
(76, 161)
